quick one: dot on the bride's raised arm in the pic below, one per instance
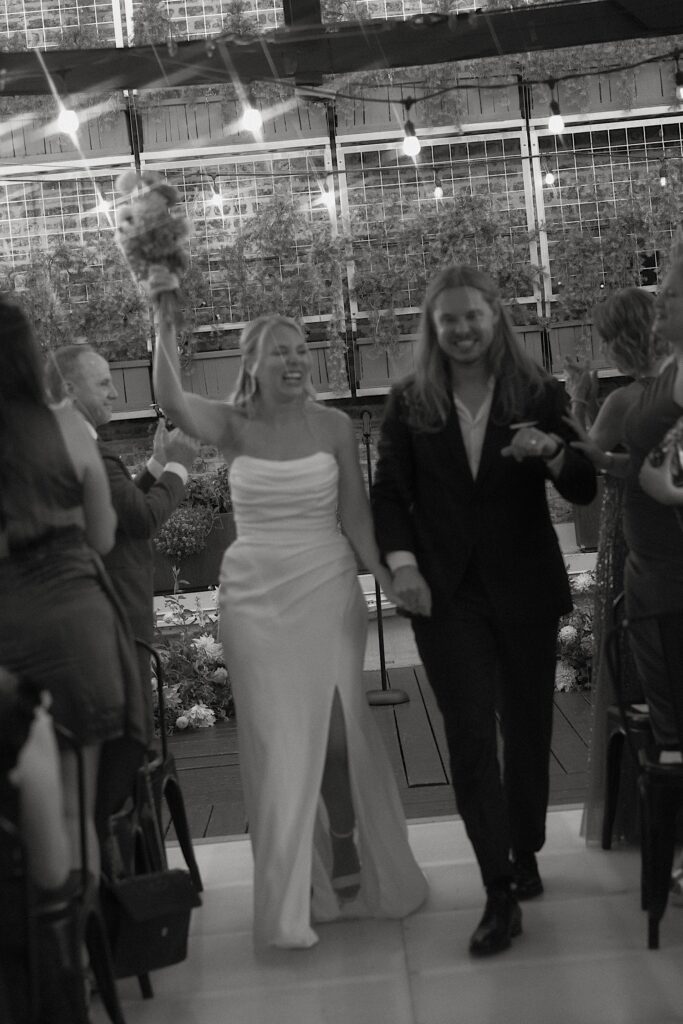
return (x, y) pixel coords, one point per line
(209, 420)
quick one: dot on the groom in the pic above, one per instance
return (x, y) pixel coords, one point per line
(467, 445)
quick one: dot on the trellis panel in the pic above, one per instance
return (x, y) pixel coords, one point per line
(182, 124)
(25, 135)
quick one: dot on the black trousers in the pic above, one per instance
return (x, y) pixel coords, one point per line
(477, 664)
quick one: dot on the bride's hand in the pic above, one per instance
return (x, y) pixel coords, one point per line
(160, 280)
(383, 577)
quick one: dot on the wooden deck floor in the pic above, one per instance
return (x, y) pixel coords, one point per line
(208, 761)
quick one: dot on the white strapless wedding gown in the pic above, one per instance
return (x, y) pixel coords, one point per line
(293, 624)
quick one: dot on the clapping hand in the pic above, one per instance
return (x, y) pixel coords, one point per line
(580, 381)
(159, 281)
(584, 443)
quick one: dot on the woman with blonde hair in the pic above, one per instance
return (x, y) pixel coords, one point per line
(624, 322)
(325, 820)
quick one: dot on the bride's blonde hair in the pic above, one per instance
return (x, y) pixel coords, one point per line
(253, 341)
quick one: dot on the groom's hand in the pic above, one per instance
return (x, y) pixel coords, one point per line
(412, 590)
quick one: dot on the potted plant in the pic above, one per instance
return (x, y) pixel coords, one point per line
(191, 543)
(197, 690)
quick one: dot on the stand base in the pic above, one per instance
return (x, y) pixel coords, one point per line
(378, 697)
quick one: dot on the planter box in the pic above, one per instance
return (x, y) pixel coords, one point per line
(200, 571)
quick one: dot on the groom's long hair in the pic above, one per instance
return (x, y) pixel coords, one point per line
(519, 379)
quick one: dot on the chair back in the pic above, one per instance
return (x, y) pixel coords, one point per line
(671, 644)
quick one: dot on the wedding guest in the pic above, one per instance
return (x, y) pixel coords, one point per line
(59, 626)
(326, 824)
(654, 566)
(142, 505)
(31, 800)
(624, 322)
(467, 445)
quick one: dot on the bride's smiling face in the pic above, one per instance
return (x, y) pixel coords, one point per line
(284, 367)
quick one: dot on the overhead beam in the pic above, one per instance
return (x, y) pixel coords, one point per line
(303, 53)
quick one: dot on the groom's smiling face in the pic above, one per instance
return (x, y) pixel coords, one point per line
(465, 324)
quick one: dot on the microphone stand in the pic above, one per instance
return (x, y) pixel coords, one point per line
(386, 695)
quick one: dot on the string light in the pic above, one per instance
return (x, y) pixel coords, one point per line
(555, 121)
(438, 188)
(663, 177)
(327, 198)
(548, 176)
(68, 121)
(411, 143)
(251, 116)
(210, 48)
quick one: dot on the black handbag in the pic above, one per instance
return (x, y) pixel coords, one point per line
(146, 905)
(148, 919)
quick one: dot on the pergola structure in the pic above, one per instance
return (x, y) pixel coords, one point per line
(306, 50)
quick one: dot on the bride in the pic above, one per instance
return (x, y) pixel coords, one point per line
(326, 824)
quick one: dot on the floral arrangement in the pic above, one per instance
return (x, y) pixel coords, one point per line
(197, 687)
(574, 650)
(575, 637)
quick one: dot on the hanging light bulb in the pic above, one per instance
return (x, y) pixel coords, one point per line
(251, 116)
(215, 200)
(663, 177)
(548, 176)
(68, 121)
(555, 121)
(171, 44)
(411, 143)
(210, 47)
(438, 188)
(102, 205)
(327, 198)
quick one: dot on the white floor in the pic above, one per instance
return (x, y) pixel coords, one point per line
(582, 957)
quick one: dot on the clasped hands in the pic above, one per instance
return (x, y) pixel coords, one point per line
(411, 591)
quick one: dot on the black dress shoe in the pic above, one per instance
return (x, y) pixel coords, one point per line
(527, 882)
(501, 922)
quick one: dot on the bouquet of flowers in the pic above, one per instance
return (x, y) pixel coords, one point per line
(150, 232)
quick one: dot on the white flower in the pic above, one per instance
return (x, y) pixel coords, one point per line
(220, 675)
(567, 634)
(200, 717)
(208, 646)
(182, 722)
(582, 582)
(168, 618)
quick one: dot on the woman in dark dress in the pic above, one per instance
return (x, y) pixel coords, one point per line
(58, 627)
(625, 325)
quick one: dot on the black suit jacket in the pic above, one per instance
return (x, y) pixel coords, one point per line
(425, 500)
(142, 505)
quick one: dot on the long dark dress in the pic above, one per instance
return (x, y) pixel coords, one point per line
(58, 624)
(609, 582)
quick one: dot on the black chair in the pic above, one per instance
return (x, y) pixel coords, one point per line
(660, 786)
(161, 774)
(55, 927)
(617, 750)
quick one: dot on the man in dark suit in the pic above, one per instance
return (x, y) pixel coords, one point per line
(142, 505)
(467, 445)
